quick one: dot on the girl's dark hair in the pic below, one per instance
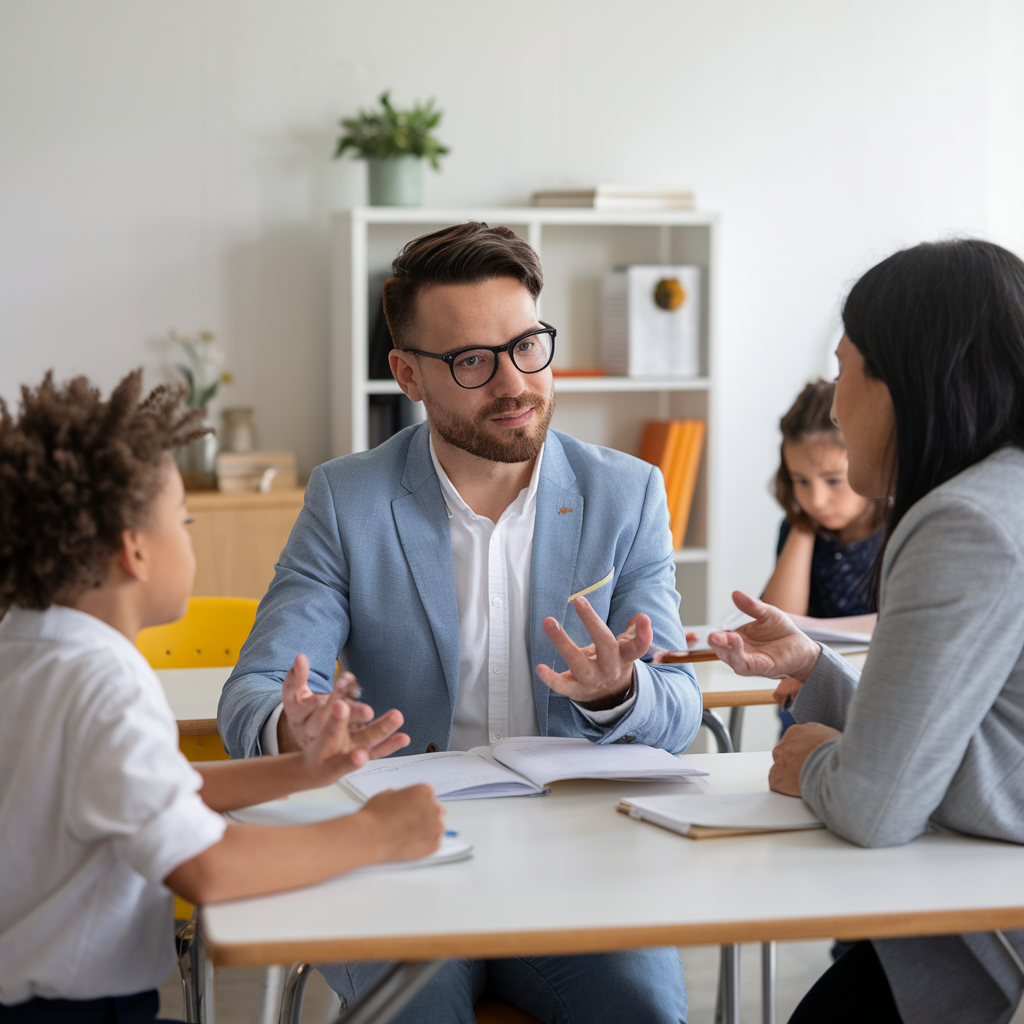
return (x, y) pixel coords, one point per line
(942, 326)
(75, 471)
(810, 417)
(464, 254)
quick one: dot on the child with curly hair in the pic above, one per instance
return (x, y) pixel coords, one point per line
(101, 817)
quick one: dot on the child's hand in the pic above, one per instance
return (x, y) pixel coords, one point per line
(770, 646)
(410, 821)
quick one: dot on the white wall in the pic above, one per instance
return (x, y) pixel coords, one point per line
(167, 164)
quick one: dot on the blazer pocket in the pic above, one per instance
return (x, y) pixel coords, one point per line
(593, 586)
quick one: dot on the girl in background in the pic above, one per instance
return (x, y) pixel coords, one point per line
(831, 536)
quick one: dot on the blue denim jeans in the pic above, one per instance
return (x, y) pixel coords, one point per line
(642, 986)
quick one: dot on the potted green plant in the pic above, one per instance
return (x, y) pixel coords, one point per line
(394, 144)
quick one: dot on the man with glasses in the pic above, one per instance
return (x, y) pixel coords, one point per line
(488, 577)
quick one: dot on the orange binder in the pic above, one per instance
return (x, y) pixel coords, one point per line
(688, 455)
(660, 447)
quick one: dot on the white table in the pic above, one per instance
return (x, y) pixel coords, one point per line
(529, 889)
(193, 694)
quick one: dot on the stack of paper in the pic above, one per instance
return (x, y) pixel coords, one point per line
(705, 816)
(308, 812)
(527, 765)
(848, 629)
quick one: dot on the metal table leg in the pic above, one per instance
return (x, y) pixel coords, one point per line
(727, 1008)
(390, 992)
(718, 730)
(736, 726)
(292, 994)
(767, 983)
(196, 975)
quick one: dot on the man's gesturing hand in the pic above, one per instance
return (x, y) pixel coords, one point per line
(600, 674)
(336, 731)
(770, 646)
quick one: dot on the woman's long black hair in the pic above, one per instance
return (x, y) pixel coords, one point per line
(942, 326)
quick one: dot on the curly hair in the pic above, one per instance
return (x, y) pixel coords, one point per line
(810, 417)
(76, 471)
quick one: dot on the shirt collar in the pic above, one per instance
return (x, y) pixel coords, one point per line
(60, 624)
(453, 501)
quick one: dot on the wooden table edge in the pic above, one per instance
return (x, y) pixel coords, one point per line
(711, 699)
(601, 940)
(197, 727)
(736, 698)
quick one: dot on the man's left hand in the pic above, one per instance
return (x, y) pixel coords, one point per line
(599, 675)
(791, 752)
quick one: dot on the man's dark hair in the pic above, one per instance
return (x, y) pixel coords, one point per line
(463, 254)
(942, 326)
(76, 471)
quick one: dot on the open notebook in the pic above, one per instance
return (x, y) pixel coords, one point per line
(307, 812)
(707, 815)
(519, 766)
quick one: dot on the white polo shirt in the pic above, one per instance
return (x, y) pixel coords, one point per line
(97, 807)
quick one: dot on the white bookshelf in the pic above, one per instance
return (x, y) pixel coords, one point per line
(577, 246)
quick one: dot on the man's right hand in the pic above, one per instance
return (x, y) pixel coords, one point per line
(306, 714)
(410, 822)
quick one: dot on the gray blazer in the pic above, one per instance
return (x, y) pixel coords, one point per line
(933, 728)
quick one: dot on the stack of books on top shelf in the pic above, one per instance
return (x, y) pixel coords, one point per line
(618, 197)
(675, 447)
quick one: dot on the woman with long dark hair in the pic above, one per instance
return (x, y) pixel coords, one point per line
(930, 400)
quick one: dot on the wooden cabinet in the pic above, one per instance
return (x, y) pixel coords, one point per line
(237, 539)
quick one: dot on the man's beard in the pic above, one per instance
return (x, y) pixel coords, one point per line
(518, 445)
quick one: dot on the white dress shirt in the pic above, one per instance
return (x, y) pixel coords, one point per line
(492, 589)
(97, 807)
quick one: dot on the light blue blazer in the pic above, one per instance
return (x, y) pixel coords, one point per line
(367, 575)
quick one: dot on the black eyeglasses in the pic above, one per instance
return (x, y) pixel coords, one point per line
(474, 367)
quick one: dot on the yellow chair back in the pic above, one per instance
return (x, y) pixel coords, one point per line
(210, 634)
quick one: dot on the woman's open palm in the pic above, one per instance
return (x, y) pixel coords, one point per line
(770, 646)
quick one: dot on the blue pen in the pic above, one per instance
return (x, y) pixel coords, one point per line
(451, 833)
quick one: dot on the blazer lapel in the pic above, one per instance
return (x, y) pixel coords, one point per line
(556, 544)
(422, 523)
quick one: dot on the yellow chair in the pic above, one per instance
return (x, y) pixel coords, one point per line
(209, 635)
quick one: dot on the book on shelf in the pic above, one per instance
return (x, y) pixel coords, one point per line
(675, 447)
(713, 815)
(618, 197)
(518, 766)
